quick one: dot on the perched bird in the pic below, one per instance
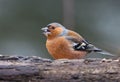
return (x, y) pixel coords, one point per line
(64, 43)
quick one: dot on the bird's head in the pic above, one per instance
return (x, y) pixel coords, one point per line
(53, 30)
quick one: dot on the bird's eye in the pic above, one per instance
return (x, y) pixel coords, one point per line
(52, 27)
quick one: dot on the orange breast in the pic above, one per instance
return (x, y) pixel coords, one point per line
(60, 48)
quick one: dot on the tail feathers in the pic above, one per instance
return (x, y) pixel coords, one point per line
(97, 50)
(105, 53)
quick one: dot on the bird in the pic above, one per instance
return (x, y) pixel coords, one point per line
(63, 43)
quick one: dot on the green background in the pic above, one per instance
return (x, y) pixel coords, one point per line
(21, 22)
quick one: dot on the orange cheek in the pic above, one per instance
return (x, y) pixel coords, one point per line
(58, 31)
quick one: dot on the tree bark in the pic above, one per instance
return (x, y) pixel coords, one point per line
(37, 69)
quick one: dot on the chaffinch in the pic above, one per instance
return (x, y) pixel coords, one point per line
(64, 43)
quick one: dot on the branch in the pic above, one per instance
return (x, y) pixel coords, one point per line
(37, 69)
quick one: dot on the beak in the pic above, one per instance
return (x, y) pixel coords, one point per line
(45, 30)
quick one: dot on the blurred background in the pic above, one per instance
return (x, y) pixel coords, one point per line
(21, 22)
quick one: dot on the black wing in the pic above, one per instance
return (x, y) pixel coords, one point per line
(82, 45)
(86, 46)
